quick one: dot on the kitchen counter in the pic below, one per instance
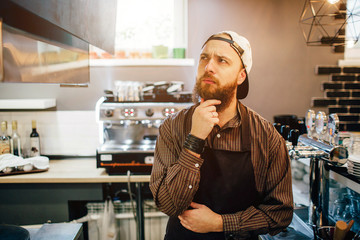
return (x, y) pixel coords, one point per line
(51, 189)
(59, 194)
(72, 170)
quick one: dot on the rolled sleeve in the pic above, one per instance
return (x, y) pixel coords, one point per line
(190, 162)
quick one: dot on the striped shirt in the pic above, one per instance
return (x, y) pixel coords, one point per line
(175, 174)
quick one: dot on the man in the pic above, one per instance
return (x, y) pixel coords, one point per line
(221, 171)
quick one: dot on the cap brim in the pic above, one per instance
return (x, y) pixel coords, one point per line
(243, 89)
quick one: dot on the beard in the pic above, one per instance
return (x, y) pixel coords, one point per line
(213, 91)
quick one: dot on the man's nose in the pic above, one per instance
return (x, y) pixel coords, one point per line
(209, 67)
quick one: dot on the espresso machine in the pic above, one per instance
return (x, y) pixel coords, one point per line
(322, 147)
(128, 132)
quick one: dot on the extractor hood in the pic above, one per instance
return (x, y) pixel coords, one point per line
(47, 41)
(73, 23)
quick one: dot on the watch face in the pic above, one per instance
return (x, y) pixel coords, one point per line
(333, 124)
(310, 121)
(321, 123)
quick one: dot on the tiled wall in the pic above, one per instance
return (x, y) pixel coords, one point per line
(341, 95)
(73, 133)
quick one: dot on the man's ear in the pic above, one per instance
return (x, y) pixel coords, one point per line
(241, 76)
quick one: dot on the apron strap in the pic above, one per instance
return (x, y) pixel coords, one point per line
(245, 129)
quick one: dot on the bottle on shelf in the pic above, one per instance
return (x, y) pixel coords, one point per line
(4, 139)
(15, 140)
(7, 133)
(34, 141)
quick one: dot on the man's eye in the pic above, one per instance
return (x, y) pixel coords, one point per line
(222, 60)
(203, 57)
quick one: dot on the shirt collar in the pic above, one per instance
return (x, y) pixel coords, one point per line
(236, 120)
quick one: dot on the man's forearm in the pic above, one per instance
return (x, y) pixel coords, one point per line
(174, 187)
(264, 219)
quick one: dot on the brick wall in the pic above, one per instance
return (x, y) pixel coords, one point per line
(341, 95)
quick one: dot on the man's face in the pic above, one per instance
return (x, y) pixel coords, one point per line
(218, 72)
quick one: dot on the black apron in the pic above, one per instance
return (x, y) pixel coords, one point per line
(227, 185)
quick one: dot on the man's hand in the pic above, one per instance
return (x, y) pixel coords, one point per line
(201, 219)
(204, 118)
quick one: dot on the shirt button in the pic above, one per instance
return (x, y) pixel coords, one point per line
(218, 135)
(190, 186)
(196, 165)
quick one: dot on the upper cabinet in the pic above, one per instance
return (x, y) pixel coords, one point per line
(48, 41)
(91, 20)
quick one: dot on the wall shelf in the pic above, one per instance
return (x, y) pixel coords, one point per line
(27, 103)
(142, 62)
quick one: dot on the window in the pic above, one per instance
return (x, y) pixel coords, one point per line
(352, 50)
(150, 29)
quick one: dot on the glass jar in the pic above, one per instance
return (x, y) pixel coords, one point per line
(354, 147)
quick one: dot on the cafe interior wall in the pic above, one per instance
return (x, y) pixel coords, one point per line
(282, 79)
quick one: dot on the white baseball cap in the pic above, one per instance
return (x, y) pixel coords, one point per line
(242, 47)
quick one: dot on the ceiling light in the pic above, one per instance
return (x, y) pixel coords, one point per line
(324, 24)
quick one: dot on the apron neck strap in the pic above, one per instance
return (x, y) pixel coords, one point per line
(245, 128)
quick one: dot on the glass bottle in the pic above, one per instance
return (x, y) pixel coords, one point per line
(4, 139)
(34, 141)
(7, 134)
(15, 140)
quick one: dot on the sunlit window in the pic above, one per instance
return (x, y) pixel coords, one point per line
(352, 49)
(353, 24)
(150, 29)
